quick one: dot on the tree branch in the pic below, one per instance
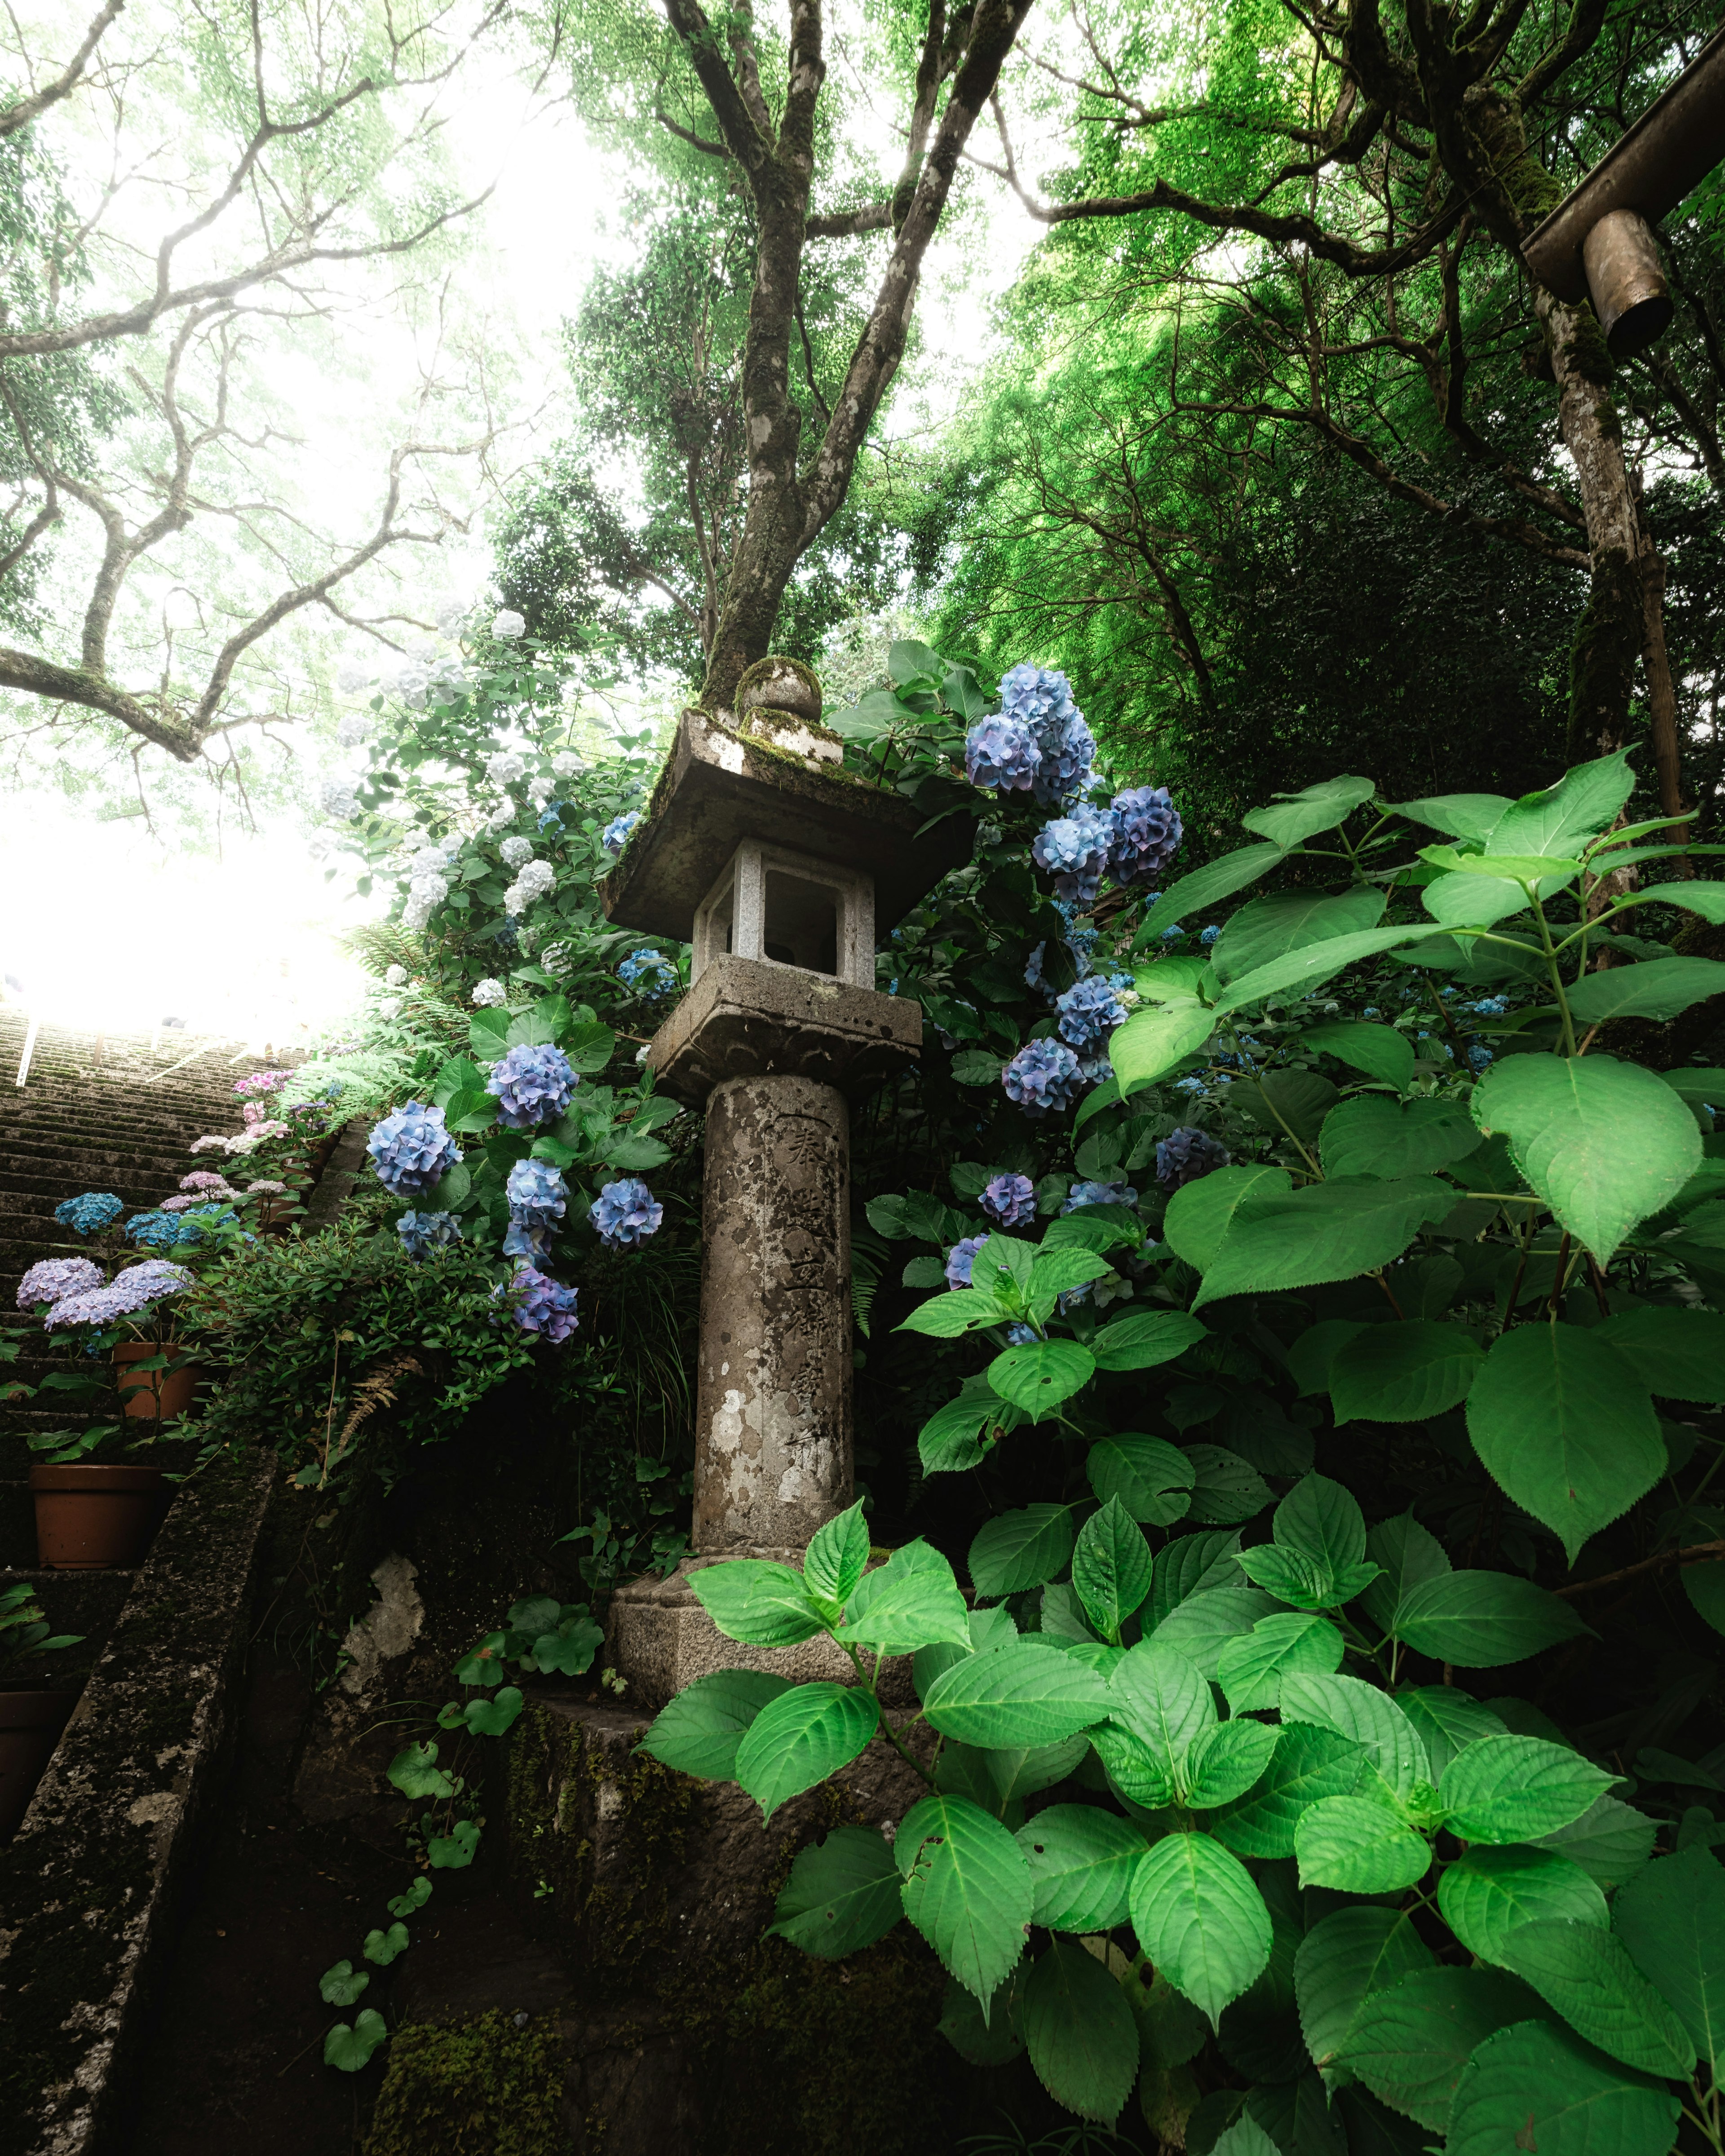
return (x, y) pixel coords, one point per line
(32, 107)
(846, 223)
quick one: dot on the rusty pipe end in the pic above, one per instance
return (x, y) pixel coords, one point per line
(1626, 277)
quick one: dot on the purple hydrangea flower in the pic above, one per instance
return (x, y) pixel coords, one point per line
(1099, 1194)
(533, 1083)
(1185, 1154)
(625, 1213)
(1009, 1200)
(1090, 1010)
(1043, 1075)
(615, 835)
(961, 1258)
(538, 1195)
(126, 1293)
(1041, 699)
(54, 1279)
(96, 1210)
(1147, 834)
(1002, 752)
(541, 1305)
(1076, 849)
(422, 1233)
(410, 1149)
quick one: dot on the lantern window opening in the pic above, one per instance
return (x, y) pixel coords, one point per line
(781, 908)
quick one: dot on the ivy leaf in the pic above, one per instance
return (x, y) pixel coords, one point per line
(1480, 1621)
(1361, 1845)
(416, 1773)
(1565, 1427)
(342, 1984)
(1603, 1143)
(1537, 2087)
(383, 1947)
(762, 1603)
(1021, 1549)
(568, 1650)
(1111, 1567)
(1025, 1694)
(1151, 1478)
(1308, 1765)
(404, 1904)
(493, 1716)
(1513, 1788)
(455, 1850)
(843, 1894)
(801, 1738)
(349, 2048)
(967, 1888)
(1080, 2032)
(1200, 1919)
(1081, 1861)
(1487, 1894)
(698, 1732)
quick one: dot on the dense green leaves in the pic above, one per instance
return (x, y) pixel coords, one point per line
(967, 1889)
(1368, 1717)
(1200, 1919)
(1479, 1620)
(1328, 1231)
(698, 1732)
(760, 1603)
(1308, 1765)
(1515, 1788)
(1252, 1666)
(1536, 2087)
(1671, 1917)
(1581, 1970)
(1371, 1135)
(1081, 1861)
(1490, 1893)
(843, 1894)
(1379, 1050)
(1341, 1962)
(1151, 1478)
(1026, 1693)
(837, 1557)
(1658, 988)
(1021, 1549)
(1409, 2042)
(1405, 1373)
(1037, 1377)
(800, 1737)
(1110, 1568)
(1200, 1215)
(1362, 1845)
(1080, 2032)
(1144, 1338)
(912, 1601)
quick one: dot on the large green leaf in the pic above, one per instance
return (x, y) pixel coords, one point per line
(1081, 1864)
(1080, 2032)
(843, 1894)
(990, 2041)
(1342, 1961)
(1671, 1917)
(1023, 1694)
(1538, 2088)
(1225, 1763)
(1160, 1696)
(1379, 1050)
(1372, 1135)
(1111, 1567)
(1611, 1841)
(1480, 1621)
(1463, 815)
(1156, 1038)
(1464, 900)
(912, 1601)
(1150, 1477)
(1200, 1919)
(1360, 1845)
(1284, 921)
(699, 1731)
(1293, 818)
(1407, 1553)
(1603, 1143)
(1021, 1549)
(1367, 1717)
(1037, 1377)
(1677, 1354)
(1579, 1967)
(1565, 1427)
(1657, 988)
(946, 1316)
(1193, 1564)
(1488, 1893)
(1252, 1667)
(802, 1736)
(1515, 1788)
(1199, 1215)
(1329, 1231)
(967, 1889)
(761, 1603)
(1562, 817)
(1197, 892)
(1405, 1373)
(1448, 1720)
(1144, 1338)
(1300, 972)
(1203, 1626)
(838, 1556)
(1308, 1765)
(1409, 2042)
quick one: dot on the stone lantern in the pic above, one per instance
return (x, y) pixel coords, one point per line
(780, 869)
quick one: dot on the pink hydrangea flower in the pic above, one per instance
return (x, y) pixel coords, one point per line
(202, 1178)
(266, 1189)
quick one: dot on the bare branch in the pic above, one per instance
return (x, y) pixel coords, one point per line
(32, 107)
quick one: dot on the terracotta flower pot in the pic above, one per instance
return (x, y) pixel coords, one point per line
(88, 1518)
(30, 1725)
(157, 1395)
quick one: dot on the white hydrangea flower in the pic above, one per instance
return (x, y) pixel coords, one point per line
(360, 727)
(566, 764)
(396, 977)
(408, 683)
(489, 994)
(338, 801)
(321, 846)
(501, 817)
(506, 622)
(517, 852)
(390, 1007)
(533, 882)
(503, 768)
(351, 679)
(542, 789)
(415, 915)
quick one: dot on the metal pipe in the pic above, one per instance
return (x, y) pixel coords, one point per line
(1626, 279)
(1670, 149)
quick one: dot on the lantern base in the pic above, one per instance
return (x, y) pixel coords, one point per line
(748, 1018)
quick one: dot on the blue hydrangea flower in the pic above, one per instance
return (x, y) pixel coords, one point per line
(1147, 834)
(94, 1211)
(647, 971)
(1099, 1194)
(534, 1083)
(961, 1258)
(1095, 1069)
(1090, 1010)
(1002, 752)
(541, 1305)
(1020, 1336)
(1040, 699)
(1479, 1055)
(160, 1231)
(551, 817)
(422, 1233)
(1170, 935)
(519, 1240)
(1370, 1011)
(1075, 848)
(1044, 1076)
(1489, 1006)
(1185, 1155)
(625, 1213)
(1210, 934)
(1009, 1200)
(410, 1149)
(537, 1194)
(615, 836)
